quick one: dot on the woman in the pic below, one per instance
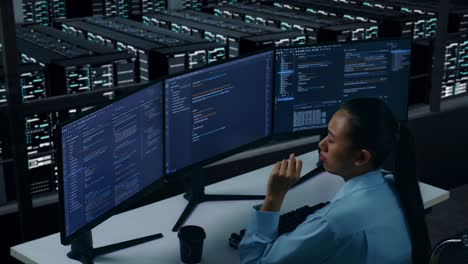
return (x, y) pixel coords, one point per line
(364, 222)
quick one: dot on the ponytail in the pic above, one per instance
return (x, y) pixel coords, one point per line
(407, 187)
(372, 126)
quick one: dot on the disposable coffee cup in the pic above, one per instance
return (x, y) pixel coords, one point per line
(191, 243)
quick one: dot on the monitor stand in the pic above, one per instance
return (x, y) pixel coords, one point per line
(83, 251)
(196, 195)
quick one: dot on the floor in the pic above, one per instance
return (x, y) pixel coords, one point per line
(450, 217)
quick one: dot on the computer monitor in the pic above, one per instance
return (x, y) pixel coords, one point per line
(213, 112)
(311, 82)
(106, 159)
(218, 109)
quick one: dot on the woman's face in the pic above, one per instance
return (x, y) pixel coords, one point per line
(335, 148)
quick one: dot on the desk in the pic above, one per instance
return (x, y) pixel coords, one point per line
(219, 219)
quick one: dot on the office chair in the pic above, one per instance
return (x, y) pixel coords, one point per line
(451, 251)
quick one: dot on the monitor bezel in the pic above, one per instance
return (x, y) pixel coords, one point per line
(68, 239)
(182, 173)
(322, 131)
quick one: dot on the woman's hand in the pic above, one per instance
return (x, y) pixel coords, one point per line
(284, 175)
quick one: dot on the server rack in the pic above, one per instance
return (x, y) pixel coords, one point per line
(264, 15)
(159, 52)
(123, 8)
(32, 80)
(415, 26)
(126, 8)
(36, 11)
(455, 79)
(338, 29)
(199, 52)
(198, 5)
(226, 31)
(458, 20)
(222, 22)
(291, 13)
(76, 65)
(153, 5)
(284, 23)
(229, 38)
(266, 36)
(58, 9)
(348, 32)
(41, 162)
(71, 66)
(391, 23)
(147, 64)
(43, 11)
(280, 39)
(455, 70)
(458, 15)
(33, 83)
(426, 29)
(426, 7)
(328, 28)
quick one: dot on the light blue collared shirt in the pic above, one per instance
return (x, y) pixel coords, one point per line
(363, 223)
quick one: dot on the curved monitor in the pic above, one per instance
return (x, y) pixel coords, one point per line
(218, 109)
(107, 157)
(311, 82)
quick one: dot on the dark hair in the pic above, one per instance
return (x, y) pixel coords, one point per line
(372, 127)
(407, 187)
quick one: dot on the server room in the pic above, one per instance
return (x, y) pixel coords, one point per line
(234, 131)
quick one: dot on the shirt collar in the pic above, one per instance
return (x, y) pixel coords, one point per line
(364, 181)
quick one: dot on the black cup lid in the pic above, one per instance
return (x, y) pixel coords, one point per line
(191, 232)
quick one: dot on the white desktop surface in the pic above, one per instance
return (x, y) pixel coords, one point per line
(219, 219)
(432, 195)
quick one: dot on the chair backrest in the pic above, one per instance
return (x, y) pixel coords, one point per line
(451, 251)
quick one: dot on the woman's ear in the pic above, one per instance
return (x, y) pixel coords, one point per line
(363, 158)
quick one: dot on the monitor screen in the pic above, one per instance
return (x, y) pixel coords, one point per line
(312, 82)
(217, 109)
(110, 155)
